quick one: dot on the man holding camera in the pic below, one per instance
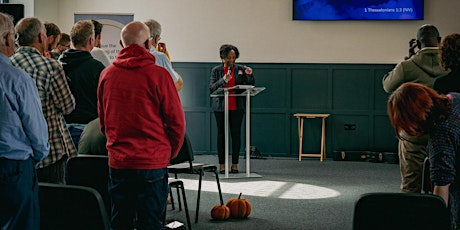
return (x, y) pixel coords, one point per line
(421, 67)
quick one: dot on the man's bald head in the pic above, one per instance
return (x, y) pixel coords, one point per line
(135, 33)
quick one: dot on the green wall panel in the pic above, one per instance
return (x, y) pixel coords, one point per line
(351, 93)
(351, 89)
(354, 139)
(274, 80)
(270, 132)
(384, 135)
(308, 88)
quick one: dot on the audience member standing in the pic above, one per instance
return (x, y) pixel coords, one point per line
(83, 71)
(161, 58)
(141, 115)
(55, 95)
(98, 53)
(449, 53)
(418, 110)
(23, 139)
(63, 45)
(226, 75)
(421, 67)
(53, 35)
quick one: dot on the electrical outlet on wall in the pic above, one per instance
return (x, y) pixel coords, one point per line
(349, 127)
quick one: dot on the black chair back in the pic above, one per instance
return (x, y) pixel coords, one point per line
(185, 153)
(90, 171)
(71, 207)
(183, 163)
(380, 211)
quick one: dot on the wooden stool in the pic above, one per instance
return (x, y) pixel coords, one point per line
(300, 118)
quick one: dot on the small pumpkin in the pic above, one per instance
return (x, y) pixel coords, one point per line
(220, 212)
(239, 207)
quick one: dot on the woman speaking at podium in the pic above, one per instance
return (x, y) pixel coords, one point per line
(227, 75)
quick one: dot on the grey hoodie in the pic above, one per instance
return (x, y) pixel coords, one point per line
(423, 68)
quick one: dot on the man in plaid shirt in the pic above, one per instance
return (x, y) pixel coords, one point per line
(55, 95)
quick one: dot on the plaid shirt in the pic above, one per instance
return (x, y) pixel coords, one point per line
(56, 99)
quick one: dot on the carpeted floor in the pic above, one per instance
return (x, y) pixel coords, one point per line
(290, 194)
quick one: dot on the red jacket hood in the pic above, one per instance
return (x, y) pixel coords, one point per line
(133, 56)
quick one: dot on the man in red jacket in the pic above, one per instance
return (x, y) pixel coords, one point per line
(141, 115)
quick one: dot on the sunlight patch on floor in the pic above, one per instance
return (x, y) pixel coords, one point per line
(308, 191)
(265, 188)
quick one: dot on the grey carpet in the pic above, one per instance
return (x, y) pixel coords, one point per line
(307, 177)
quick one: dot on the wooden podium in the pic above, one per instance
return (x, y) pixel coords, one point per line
(239, 91)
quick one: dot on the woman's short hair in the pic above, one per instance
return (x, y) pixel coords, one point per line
(415, 108)
(225, 50)
(449, 52)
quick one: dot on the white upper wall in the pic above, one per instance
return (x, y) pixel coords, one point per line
(263, 30)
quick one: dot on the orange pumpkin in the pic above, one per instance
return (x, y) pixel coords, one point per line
(220, 212)
(239, 208)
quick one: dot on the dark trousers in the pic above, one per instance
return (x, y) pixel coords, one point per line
(19, 207)
(235, 117)
(54, 173)
(141, 192)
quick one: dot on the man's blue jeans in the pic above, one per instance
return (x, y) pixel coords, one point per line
(75, 131)
(141, 192)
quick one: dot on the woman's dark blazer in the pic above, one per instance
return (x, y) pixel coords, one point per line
(217, 81)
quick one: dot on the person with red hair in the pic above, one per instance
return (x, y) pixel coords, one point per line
(417, 110)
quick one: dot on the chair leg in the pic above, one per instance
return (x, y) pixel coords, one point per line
(185, 205)
(199, 193)
(198, 197)
(218, 187)
(178, 200)
(171, 198)
(178, 195)
(179, 185)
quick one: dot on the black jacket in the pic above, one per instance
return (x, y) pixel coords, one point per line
(82, 72)
(217, 81)
(448, 83)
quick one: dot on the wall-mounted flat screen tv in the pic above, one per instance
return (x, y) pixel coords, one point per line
(357, 10)
(14, 10)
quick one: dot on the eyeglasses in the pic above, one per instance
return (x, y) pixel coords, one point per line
(153, 38)
(16, 37)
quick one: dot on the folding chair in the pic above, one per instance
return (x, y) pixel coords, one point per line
(71, 207)
(183, 163)
(178, 184)
(90, 171)
(379, 211)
